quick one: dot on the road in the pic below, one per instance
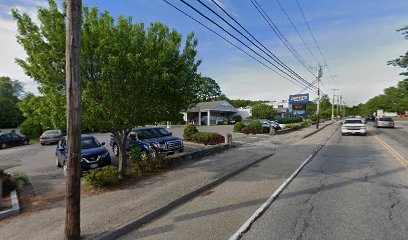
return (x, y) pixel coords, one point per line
(354, 188)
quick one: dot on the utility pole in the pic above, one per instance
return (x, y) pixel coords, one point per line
(341, 105)
(332, 117)
(73, 95)
(338, 105)
(319, 75)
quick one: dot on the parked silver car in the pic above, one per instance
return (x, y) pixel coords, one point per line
(384, 122)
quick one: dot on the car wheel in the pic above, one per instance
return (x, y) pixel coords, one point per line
(3, 146)
(25, 142)
(42, 144)
(182, 150)
(58, 164)
(65, 168)
(116, 150)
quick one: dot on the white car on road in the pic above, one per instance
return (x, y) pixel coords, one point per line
(353, 126)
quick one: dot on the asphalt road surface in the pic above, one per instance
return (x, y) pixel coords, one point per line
(355, 188)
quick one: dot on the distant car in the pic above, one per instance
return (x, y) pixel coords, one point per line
(12, 140)
(384, 122)
(93, 154)
(370, 118)
(151, 141)
(353, 126)
(51, 136)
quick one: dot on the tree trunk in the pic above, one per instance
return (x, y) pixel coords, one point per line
(121, 139)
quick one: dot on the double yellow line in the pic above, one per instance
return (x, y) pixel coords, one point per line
(394, 152)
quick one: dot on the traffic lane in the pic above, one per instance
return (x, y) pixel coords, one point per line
(396, 137)
(219, 212)
(352, 189)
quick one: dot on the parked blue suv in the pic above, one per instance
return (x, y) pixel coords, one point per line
(93, 153)
(151, 141)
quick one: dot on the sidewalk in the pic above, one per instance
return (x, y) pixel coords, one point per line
(102, 213)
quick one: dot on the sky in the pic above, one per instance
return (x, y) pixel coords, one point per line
(356, 39)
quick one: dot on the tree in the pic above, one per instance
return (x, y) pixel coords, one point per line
(263, 111)
(402, 61)
(137, 76)
(207, 90)
(10, 91)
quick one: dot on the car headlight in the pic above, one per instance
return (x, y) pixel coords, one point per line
(104, 155)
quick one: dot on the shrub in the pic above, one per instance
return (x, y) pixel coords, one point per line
(189, 131)
(249, 130)
(237, 118)
(144, 167)
(208, 138)
(293, 126)
(30, 128)
(305, 124)
(102, 177)
(256, 125)
(238, 127)
(290, 120)
(21, 179)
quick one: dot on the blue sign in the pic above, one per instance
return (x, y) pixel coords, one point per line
(299, 99)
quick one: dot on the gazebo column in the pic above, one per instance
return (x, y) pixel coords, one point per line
(199, 118)
(209, 118)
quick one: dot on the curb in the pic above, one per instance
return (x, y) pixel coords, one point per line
(134, 224)
(15, 209)
(258, 213)
(310, 134)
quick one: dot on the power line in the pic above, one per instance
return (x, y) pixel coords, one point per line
(273, 57)
(296, 30)
(231, 35)
(281, 37)
(239, 48)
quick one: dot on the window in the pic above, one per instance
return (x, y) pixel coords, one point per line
(87, 143)
(353, 121)
(386, 119)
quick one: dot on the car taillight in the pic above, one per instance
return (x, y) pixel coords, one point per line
(43, 138)
(392, 123)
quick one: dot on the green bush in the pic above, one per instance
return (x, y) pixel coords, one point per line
(189, 131)
(290, 120)
(293, 126)
(237, 118)
(144, 167)
(30, 128)
(256, 125)
(21, 179)
(102, 177)
(306, 123)
(208, 138)
(249, 130)
(238, 127)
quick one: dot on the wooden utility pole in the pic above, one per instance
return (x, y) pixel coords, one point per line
(319, 75)
(73, 86)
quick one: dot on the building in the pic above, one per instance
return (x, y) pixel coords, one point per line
(210, 113)
(281, 107)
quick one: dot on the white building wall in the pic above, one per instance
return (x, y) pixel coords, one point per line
(244, 112)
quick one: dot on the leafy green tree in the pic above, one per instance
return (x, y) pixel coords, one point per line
(10, 91)
(208, 90)
(263, 111)
(402, 61)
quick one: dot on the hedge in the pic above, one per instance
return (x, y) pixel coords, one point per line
(207, 138)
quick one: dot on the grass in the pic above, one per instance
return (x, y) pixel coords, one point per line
(400, 119)
(34, 141)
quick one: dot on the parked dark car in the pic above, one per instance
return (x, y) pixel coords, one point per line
(51, 136)
(12, 139)
(370, 118)
(151, 141)
(93, 153)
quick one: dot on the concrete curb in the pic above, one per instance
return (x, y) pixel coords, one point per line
(310, 134)
(186, 157)
(15, 209)
(258, 213)
(132, 225)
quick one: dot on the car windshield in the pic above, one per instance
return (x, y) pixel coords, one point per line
(147, 134)
(89, 143)
(162, 132)
(51, 132)
(353, 121)
(386, 119)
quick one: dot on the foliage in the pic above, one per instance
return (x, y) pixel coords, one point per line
(237, 117)
(263, 111)
(102, 177)
(241, 103)
(10, 91)
(249, 130)
(257, 125)
(21, 179)
(144, 167)
(293, 126)
(189, 131)
(290, 120)
(208, 138)
(207, 89)
(238, 127)
(31, 129)
(306, 123)
(130, 75)
(402, 61)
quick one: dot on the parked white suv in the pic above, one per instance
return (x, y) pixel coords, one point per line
(354, 126)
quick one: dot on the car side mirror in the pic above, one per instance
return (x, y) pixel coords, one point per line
(60, 148)
(102, 143)
(170, 133)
